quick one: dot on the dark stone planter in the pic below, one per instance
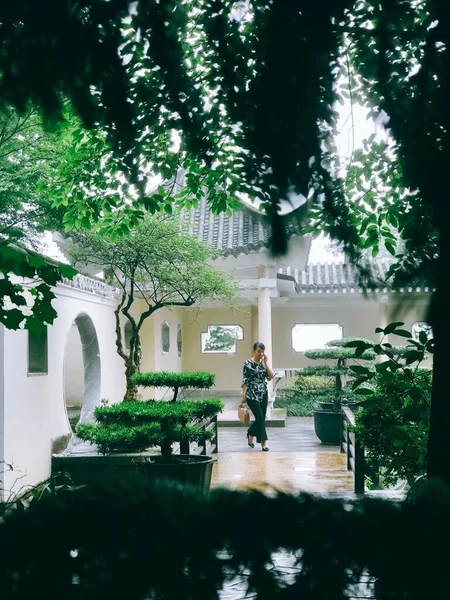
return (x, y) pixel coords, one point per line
(325, 405)
(129, 470)
(327, 426)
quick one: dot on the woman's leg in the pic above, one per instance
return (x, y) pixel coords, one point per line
(258, 427)
(264, 403)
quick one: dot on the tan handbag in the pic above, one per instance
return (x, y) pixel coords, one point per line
(244, 414)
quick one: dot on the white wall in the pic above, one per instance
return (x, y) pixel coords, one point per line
(355, 319)
(166, 361)
(227, 367)
(35, 412)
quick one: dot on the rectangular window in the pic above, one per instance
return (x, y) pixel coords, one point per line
(315, 335)
(38, 353)
(221, 338)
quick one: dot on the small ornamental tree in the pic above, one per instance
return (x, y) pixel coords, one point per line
(137, 425)
(160, 265)
(338, 371)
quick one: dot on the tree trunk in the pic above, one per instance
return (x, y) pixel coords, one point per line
(438, 443)
(130, 370)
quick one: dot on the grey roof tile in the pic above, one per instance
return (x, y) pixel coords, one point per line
(241, 232)
(343, 278)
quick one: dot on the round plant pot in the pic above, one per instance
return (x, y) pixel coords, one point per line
(327, 426)
(128, 470)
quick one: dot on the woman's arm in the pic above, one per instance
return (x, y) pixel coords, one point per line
(243, 393)
(270, 373)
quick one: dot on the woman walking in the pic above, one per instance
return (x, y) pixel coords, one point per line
(254, 391)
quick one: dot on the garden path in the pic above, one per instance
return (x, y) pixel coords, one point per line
(296, 462)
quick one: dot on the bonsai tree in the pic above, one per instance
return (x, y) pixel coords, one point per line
(161, 265)
(137, 425)
(338, 373)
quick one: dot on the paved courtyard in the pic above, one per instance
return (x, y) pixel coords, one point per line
(296, 462)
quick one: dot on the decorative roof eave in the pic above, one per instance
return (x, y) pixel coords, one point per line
(242, 231)
(342, 278)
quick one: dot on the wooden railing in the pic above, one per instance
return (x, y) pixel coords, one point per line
(353, 450)
(206, 448)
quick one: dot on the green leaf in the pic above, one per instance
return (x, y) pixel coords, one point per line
(402, 333)
(360, 369)
(67, 271)
(364, 391)
(393, 326)
(413, 356)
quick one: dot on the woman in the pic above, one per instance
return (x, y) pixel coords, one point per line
(254, 391)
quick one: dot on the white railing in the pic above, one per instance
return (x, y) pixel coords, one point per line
(92, 286)
(285, 374)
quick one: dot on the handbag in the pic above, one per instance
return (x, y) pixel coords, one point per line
(244, 414)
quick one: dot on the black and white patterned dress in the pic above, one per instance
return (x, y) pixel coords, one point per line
(255, 378)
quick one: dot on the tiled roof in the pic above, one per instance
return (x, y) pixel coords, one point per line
(329, 278)
(244, 231)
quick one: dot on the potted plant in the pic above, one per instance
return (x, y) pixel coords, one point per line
(330, 398)
(127, 436)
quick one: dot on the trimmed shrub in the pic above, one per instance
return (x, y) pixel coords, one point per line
(163, 541)
(140, 425)
(300, 396)
(160, 379)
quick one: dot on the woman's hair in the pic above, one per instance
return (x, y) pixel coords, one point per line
(258, 345)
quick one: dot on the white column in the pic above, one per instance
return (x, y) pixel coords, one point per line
(265, 325)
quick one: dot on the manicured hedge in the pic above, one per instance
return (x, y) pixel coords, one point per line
(335, 353)
(196, 379)
(167, 543)
(140, 412)
(140, 425)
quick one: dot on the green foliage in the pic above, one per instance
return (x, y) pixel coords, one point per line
(29, 304)
(197, 379)
(163, 265)
(395, 398)
(139, 425)
(302, 393)
(340, 354)
(324, 370)
(393, 424)
(336, 353)
(221, 338)
(97, 537)
(161, 71)
(396, 358)
(139, 412)
(28, 156)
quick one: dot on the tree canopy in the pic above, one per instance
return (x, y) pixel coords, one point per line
(159, 265)
(243, 96)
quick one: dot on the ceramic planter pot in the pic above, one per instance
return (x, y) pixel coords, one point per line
(327, 426)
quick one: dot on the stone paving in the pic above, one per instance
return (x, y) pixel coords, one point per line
(296, 462)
